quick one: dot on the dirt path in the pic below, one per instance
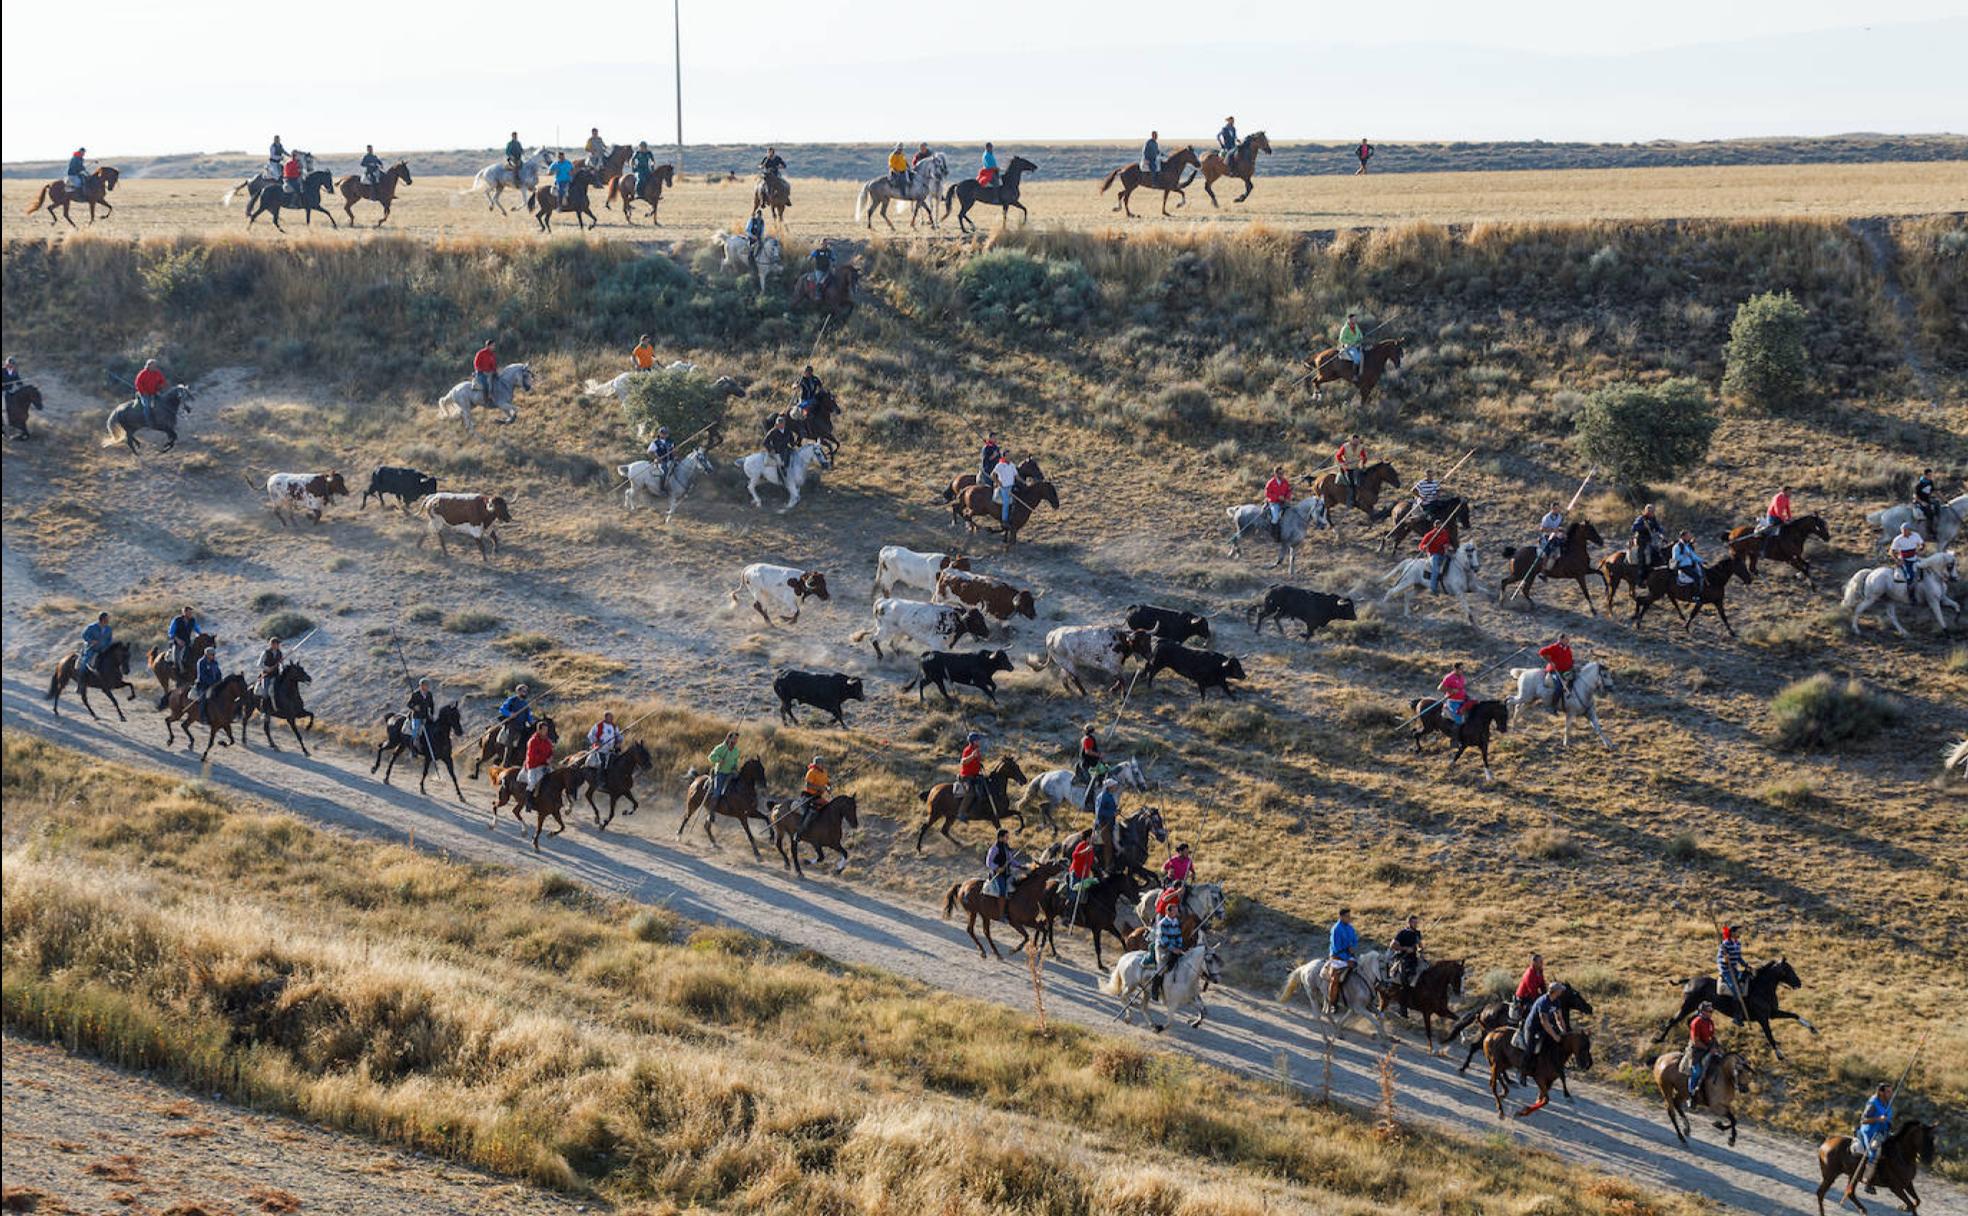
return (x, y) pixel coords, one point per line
(1877, 234)
(80, 1136)
(1250, 1033)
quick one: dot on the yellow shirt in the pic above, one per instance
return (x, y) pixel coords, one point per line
(898, 163)
(644, 356)
(816, 780)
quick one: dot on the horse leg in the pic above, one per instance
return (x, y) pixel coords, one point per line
(1250, 184)
(295, 727)
(971, 928)
(82, 690)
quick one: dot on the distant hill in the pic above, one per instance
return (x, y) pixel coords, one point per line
(1082, 160)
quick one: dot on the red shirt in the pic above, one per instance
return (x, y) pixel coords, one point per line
(1083, 857)
(1088, 747)
(1437, 541)
(292, 168)
(485, 360)
(1277, 490)
(1532, 985)
(971, 764)
(1701, 1030)
(539, 750)
(1557, 657)
(1168, 901)
(150, 382)
(1780, 507)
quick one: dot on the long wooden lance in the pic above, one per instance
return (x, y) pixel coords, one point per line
(1444, 700)
(1532, 572)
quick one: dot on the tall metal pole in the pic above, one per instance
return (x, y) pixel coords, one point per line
(676, 15)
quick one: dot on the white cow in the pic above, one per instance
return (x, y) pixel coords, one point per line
(645, 482)
(1183, 987)
(303, 494)
(738, 256)
(781, 588)
(1356, 992)
(930, 626)
(807, 461)
(1458, 580)
(896, 568)
(1882, 583)
(1075, 652)
(1947, 521)
(1534, 687)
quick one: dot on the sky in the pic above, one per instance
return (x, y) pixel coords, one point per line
(198, 75)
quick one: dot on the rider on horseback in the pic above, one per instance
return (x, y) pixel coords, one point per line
(1151, 155)
(1558, 669)
(149, 382)
(76, 170)
(1001, 867)
(987, 457)
(1106, 819)
(1544, 1027)
(96, 638)
(813, 795)
(806, 390)
(662, 450)
(10, 377)
(515, 717)
(1079, 871)
(1226, 139)
(772, 166)
(1731, 973)
(604, 740)
(724, 765)
(823, 266)
(898, 168)
(1923, 498)
(290, 175)
(422, 707)
(1168, 948)
(1351, 340)
(1351, 458)
(1177, 871)
(1086, 764)
(1648, 537)
(1529, 989)
(1905, 549)
(272, 659)
(779, 443)
(563, 178)
(372, 166)
(515, 152)
(1874, 1123)
(1340, 945)
(1436, 545)
(597, 148)
(538, 759)
(1773, 520)
(755, 234)
(1006, 475)
(276, 153)
(1455, 700)
(641, 166)
(970, 775)
(182, 632)
(1689, 568)
(1277, 497)
(206, 678)
(1701, 1050)
(987, 173)
(485, 370)
(1428, 495)
(1404, 960)
(1551, 536)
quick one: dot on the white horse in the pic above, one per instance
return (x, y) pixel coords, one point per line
(495, 179)
(619, 386)
(1459, 579)
(1882, 584)
(646, 485)
(1947, 521)
(464, 396)
(1356, 993)
(1183, 986)
(1203, 900)
(1294, 525)
(1534, 687)
(807, 460)
(925, 183)
(738, 256)
(1054, 787)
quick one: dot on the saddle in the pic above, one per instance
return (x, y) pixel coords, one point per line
(1336, 984)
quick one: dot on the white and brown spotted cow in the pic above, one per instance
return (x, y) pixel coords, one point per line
(303, 494)
(476, 515)
(995, 598)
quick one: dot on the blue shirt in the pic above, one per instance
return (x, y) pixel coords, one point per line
(1227, 138)
(990, 159)
(1151, 152)
(97, 636)
(183, 629)
(1168, 933)
(1685, 555)
(75, 168)
(757, 226)
(515, 707)
(1541, 1007)
(1343, 941)
(1106, 807)
(208, 673)
(1875, 1109)
(563, 172)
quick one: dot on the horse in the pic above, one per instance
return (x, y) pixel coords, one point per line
(1617, 568)
(770, 261)
(111, 672)
(823, 833)
(1412, 520)
(1535, 687)
(1665, 584)
(1295, 523)
(940, 801)
(772, 193)
(611, 166)
(353, 190)
(495, 179)
(979, 503)
(682, 474)
(1760, 995)
(507, 382)
(508, 754)
(1948, 518)
(1458, 579)
(1003, 196)
(1054, 787)
(1331, 366)
(1868, 587)
(25, 397)
(95, 191)
(1429, 995)
(649, 189)
(1167, 179)
(1028, 472)
(834, 294)
(816, 423)
(1786, 544)
(1183, 986)
(272, 199)
(434, 743)
(616, 778)
(1573, 561)
(1725, 1079)
(1130, 852)
(1202, 902)
(1022, 909)
(744, 800)
(1096, 909)
(925, 184)
(168, 671)
(1353, 996)
(1503, 1055)
(228, 701)
(545, 201)
(127, 419)
(806, 463)
(284, 702)
(1240, 164)
(1431, 717)
(1331, 489)
(1496, 1015)
(547, 798)
(1906, 1149)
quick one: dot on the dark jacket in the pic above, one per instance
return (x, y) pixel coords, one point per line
(515, 149)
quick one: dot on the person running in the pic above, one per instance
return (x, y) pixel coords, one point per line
(1558, 660)
(1874, 1123)
(724, 766)
(1277, 498)
(1455, 697)
(1905, 549)
(1435, 543)
(1701, 1049)
(485, 372)
(1529, 989)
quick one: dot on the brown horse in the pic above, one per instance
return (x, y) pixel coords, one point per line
(1910, 1146)
(166, 672)
(1667, 585)
(834, 295)
(1412, 523)
(1439, 983)
(1330, 366)
(1618, 568)
(1169, 178)
(1028, 471)
(95, 187)
(1366, 493)
(1241, 164)
(548, 798)
(1725, 1080)
(611, 164)
(823, 833)
(649, 191)
(1477, 720)
(1503, 1057)
(19, 402)
(1573, 561)
(1023, 909)
(978, 505)
(354, 190)
(1496, 1016)
(229, 701)
(940, 801)
(542, 203)
(1785, 545)
(616, 779)
(744, 800)
(112, 671)
(491, 751)
(773, 194)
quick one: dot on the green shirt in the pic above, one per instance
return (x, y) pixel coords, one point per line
(724, 758)
(1349, 334)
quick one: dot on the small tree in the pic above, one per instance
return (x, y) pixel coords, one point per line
(686, 402)
(1766, 365)
(1642, 433)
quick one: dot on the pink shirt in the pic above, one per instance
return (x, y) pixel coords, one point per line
(1454, 686)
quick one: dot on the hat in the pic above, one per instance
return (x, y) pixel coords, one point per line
(973, 736)
(817, 760)
(662, 430)
(518, 688)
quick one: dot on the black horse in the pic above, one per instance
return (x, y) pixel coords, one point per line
(1474, 731)
(818, 424)
(272, 197)
(616, 779)
(1131, 836)
(1003, 196)
(130, 417)
(1412, 520)
(1097, 909)
(434, 743)
(1496, 1016)
(25, 397)
(1761, 997)
(285, 704)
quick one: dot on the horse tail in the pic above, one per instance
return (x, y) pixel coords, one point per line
(1855, 587)
(55, 681)
(950, 900)
(39, 199)
(1039, 662)
(862, 204)
(115, 432)
(860, 636)
(1112, 985)
(1291, 988)
(1110, 179)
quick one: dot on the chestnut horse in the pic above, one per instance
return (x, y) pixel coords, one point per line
(1366, 494)
(1028, 472)
(112, 671)
(1910, 1146)
(491, 752)
(167, 672)
(1330, 366)
(95, 187)
(1573, 561)
(975, 505)
(823, 833)
(542, 203)
(1503, 1057)
(1412, 522)
(1133, 177)
(548, 798)
(1241, 164)
(1439, 983)
(1023, 909)
(650, 191)
(1786, 544)
(834, 296)
(1725, 1081)
(773, 194)
(744, 800)
(229, 701)
(940, 801)
(354, 190)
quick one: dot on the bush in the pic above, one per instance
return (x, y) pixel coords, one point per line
(1642, 433)
(686, 402)
(286, 625)
(1765, 362)
(471, 620)
(1009, 291)
(1822, 713)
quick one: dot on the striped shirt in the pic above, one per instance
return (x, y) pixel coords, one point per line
(1426, 489)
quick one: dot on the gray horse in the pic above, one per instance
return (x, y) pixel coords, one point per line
(1294, 525)
(130, 417)
(925, 185)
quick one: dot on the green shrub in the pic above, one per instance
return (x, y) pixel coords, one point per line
(1011, 291)
(1822, 713)
(686, 402)
(1642, 433)
(176, 278)
(286, 625)
(1765, 364)
(471, 620)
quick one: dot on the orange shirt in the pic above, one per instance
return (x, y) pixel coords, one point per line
(644, 355)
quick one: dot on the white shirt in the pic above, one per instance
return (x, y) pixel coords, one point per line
(1552, 522)
(1906, 544)
(604, 736)
(1006, 474)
